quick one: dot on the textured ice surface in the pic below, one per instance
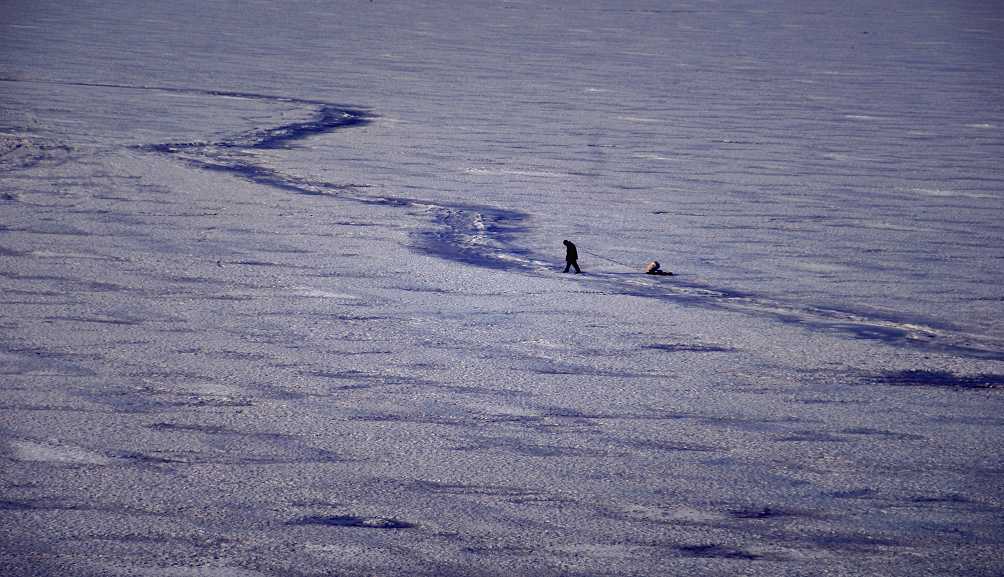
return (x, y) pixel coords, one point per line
(281, 289)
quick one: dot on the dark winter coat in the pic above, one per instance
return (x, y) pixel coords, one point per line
(571, 255)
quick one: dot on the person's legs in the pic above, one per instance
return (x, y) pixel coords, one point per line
(576, 265)
(567, 264)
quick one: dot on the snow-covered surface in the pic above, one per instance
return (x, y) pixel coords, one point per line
(281, 289)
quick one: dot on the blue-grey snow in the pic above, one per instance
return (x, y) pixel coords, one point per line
(282, 288)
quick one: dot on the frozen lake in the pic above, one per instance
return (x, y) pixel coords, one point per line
(282, 291)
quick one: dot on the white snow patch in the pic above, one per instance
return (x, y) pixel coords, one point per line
(652, 156)
(57, 453)
(639, 119)
(943, 193)
(312, 292)
(547, 344)
(481, 237)
(514, 172)
(514, 258)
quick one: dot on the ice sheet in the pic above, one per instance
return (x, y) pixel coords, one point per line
(282, 290)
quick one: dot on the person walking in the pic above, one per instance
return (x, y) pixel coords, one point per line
(571, 256)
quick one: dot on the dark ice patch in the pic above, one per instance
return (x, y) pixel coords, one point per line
(105, 321)
(893, 328)
(44, 504)
(189, 279)
(505, 493)
(571, 413)
(864, 431)
(352, 387)
(457, 225)
(416, 419)
(44, 407)
(952, 498)
(969, 420)
(66, 283)
(13, 505)
(205, 429)
(149, 459)
(21, 361)
(35, 293)
(353, 521)
(151, 401)
(417, 289)
(688, 348)
(716, 551)
(759, 513)
(258, 447)
(229, 155)
(942, 379)
(352, 223)
(567, 412)
(812, 436)
(56, 229)
(327, 119)
(871, 332)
